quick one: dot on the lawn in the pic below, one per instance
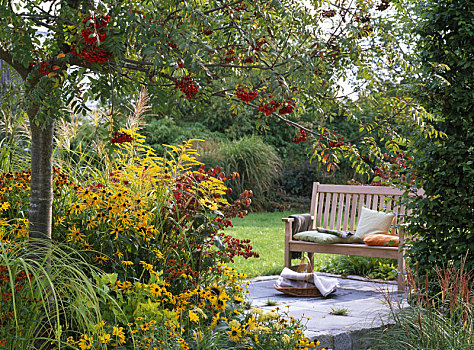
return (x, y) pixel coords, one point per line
(267, 234)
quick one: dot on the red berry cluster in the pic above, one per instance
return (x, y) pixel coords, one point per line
(230, 55)
(245, 95)
(362, 18)
(188, 87)
(121, 138)
(328, 13)
(337, 143)
(269, 108)
(93, 35)
(44, 68)
(287, 108)
(385, 4)
(240, 8)
(249, 59)
(172, 45)
(259, 44)
(303, 137)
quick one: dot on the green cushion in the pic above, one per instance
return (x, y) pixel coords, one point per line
(325, 238)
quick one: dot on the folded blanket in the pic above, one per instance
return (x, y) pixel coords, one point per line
(290, 278)
(302, 223)
(342, 234)
(284, 282)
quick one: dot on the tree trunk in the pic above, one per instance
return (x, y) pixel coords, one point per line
(40, 213)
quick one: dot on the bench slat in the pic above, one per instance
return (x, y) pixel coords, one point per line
(353, 211)
(345, 226)
(360, 189)
(326, 209)
(333, 211)
(340, 210)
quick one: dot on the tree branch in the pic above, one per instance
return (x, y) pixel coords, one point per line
(18, 67)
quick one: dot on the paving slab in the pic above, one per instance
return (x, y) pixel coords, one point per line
(364, 300)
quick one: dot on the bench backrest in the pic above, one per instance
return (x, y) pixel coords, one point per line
(339, 206)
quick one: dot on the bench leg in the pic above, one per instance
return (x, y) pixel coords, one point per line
(401, 273)
(287, 257)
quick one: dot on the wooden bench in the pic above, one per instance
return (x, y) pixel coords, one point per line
(338, 207)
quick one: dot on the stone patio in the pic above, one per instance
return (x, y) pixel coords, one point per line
(368, 311)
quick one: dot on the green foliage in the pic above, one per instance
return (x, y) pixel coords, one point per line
(44, 298)
(256, 163)
(339, 311)
(444, 168)
(362, 266)
(297, 178)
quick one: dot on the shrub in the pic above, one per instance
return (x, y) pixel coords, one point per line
(444, 168)
(256, 163)
(297, 178)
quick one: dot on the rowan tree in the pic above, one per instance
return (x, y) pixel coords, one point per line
(282, 58)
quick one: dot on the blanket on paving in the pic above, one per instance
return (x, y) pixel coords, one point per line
(290, 278)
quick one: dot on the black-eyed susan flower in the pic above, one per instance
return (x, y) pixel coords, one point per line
(86, 342)
(155, 290)
(235, 334)
(75, 235)
(77, 208)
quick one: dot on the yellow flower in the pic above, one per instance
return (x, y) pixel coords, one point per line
(101, 259)
(235, 334)
(60, 221)
(118, 333)
(155, 290)
(208, 204)
(127, 263)
(78, 208)
(286, 338)
(116, 228)
(104, 339)
(75, 235)
(86, 342)
(119, 254)
(158, 254)
(4, 206)
(91, 223)
(193, 317)
(197, 336)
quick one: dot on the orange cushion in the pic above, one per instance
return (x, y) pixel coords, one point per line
(381, 240)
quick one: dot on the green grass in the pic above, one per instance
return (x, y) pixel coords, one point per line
(267, 234)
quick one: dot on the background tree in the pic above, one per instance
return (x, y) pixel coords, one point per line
(281, 58)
